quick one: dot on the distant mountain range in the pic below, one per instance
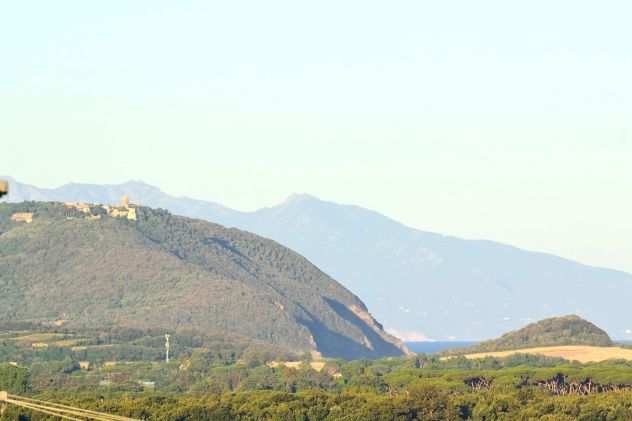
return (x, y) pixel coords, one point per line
(418, 284)
(148, 269)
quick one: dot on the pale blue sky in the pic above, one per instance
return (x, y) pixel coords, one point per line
(502, 120)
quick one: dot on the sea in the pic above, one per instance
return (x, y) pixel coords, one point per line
(430, 347)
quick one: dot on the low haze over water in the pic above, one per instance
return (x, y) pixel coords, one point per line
(430, 347)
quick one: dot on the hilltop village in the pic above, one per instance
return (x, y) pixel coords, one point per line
(92, 211)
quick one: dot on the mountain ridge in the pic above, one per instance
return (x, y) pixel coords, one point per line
(419, 283)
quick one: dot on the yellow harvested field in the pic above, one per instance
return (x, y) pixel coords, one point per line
(583, 354)
(316, 365)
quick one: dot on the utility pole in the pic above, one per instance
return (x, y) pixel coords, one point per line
(167, 336)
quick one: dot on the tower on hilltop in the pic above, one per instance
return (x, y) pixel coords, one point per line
(125, 201)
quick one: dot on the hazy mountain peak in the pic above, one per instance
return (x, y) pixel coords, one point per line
(140, 184)
(300, 198)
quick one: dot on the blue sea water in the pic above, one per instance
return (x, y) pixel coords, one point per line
(430, 347)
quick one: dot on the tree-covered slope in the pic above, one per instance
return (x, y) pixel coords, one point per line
(554, 331)
(165, 271)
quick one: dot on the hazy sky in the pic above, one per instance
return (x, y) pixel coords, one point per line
(502, 120)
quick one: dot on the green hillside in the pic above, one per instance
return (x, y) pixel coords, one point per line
(555, 331)
(167, 272)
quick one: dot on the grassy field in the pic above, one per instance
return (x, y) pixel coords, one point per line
(583, 354)
(39, 337)
(59, 340)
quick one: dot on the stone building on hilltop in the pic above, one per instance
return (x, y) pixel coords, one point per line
(123, 210)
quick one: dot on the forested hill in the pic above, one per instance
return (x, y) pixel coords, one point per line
(99, 267)
(554, 331)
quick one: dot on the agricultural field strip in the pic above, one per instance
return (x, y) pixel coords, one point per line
(41, 337)
(583, 354)
(59, 340)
